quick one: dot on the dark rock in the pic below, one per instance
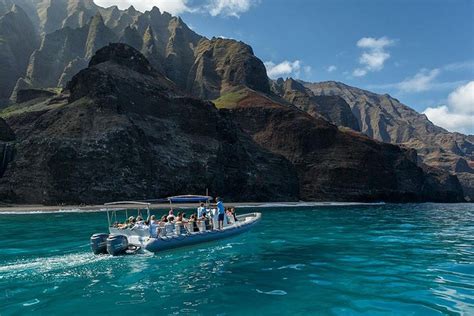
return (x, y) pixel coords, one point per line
(6, 146)
(18, 39)
(128, 134)
(222, 65)
(340, 166)
(6, 133)
(332, 108)
(31, 94)
(386, 119)
(124, 55)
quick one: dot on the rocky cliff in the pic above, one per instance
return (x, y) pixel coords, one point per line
(386, 119)
(7, 149)
(333, 108)
(332, 164)
(18, 39)
(124, 132)
(223, 65)
(66, 51)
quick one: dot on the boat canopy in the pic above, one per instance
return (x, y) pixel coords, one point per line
(189, 198)
(128, 203)
(112, 213)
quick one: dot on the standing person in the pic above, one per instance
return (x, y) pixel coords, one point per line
(201, 210)
(221, 212)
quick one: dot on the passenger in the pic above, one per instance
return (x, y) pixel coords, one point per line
(228, 214)
(170, 216)
(232, 210)
(221, 212)
(140, 223)
(206, 221)
(169, 228)
(180, 218)
(194, 222)
(201, 210)
(131, 222)
(163, 221)
(154, 226)
(124, 225)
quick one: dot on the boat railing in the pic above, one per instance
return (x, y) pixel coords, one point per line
(112, 213)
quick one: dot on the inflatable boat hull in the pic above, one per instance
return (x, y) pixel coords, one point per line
(121, 239)
(170, 242)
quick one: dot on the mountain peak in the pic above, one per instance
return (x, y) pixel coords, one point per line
(131, 9)
(155, 11)
(124, 55)
(97, 19)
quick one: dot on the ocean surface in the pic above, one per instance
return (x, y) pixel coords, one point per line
(413, 259)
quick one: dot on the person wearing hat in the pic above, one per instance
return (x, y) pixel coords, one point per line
(131, 222)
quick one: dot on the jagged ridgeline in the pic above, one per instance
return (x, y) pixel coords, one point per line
(90, 121)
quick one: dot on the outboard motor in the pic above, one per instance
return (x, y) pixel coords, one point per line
(99, 243)
(117, 244)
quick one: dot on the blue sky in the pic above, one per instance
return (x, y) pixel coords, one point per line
(419, 51)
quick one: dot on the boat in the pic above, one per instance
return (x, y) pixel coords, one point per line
(139, 239)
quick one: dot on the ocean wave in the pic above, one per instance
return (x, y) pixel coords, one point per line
(40, 266)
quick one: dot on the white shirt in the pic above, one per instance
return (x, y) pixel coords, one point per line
(153, 228)
(169, 227)
(201, 210)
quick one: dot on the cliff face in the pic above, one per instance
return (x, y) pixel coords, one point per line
(7, 137)
(18, 39)
(124, 133)
(332, 108)
(222, 65)
(386, 119)
(332, 165)
(66, 51)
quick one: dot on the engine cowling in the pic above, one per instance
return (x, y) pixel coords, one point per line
(99, 243)
(117, 244)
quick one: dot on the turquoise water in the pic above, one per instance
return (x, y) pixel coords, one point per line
(340, 260)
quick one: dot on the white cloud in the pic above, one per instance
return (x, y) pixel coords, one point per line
(458, 115)
(331, 68)
(422, 81)
(286, 68)
(375, 43)
(213, 7)
(426, 80)
(359, 72)
(464, 65)
(374, 55)
(462, 99)
(229, 7)
(171, 6)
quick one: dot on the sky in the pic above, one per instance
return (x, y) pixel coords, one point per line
(418, 51)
